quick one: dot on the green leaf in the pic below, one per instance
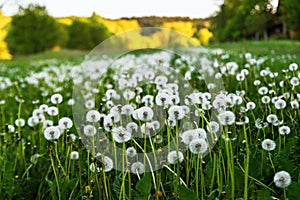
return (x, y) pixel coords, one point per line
(142, 197)
(144, 185)
(293, 191)
(117, 185)
(212, 195)
(186, 194)
(264, 194)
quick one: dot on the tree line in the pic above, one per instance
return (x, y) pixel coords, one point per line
(257, 19)
(32, 30)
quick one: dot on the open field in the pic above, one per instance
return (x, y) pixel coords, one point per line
(262, 47)
(220, 123)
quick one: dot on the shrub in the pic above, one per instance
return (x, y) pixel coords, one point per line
(85, 35)
(33, 31)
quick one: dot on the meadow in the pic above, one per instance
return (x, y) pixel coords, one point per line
(153, 125)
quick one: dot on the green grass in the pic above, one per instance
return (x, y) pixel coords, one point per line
(261, 47)
(65, 55)
(236, 168)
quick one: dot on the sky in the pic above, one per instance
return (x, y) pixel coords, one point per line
(120, 8)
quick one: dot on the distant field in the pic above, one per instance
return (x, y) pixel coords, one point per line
(255, 47)
(64, 55)
(261, 47)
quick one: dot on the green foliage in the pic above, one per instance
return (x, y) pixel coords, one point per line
(242, 19)
(186, 194)
(21, 178)
(86, 35)
(144, 185)
(33, 31)
(296, 36)
(279, 36)
(290, 11)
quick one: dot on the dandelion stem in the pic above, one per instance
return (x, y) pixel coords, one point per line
(56, 177)
(246, 164)
(262, 184)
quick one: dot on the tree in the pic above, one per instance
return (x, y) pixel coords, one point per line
(86, 34)
(33, 31)
(289, 11)
(242, 19)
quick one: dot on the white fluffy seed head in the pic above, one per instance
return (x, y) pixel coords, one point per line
(107, 164)
(227, 118)
(89, 130)
(174, 157)
(189, 136)
(131, 152)
(120, 134)
(65, 123)
(52, 133)
(198, 146)
(176, 112)
(282, 179)
(268, 145)
(56, 98)
(280, 104)
(284, 130)
(74, 155)
(145, 113)
(93, 116)
(137, 168)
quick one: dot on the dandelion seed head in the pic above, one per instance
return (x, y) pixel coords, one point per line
(162, 99)
(56, 98)
(131, 152)
(284, 130)
(226, 118)
(52, 111)
(74, 155)
(265, 99)
(250, 105)
(268, 145)
(127, 110)
(188, 136)
(11, 128)
(213, 127)
(107, 164)
(89, 130)
(90, 104)
(282, 179)
(176, 112)
(280, 104)
(145, 113)
(293, 67)
(52, 133)
(198, 146)
(137, 168)
(271, 118)
(20, 122)
(175, 157)
(294, 104)
(120, 134)
(65, 123)
(93, 116)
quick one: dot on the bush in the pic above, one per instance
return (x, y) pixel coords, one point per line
(33, 31)
(85, 35)
(296, 36)
(279, 36)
